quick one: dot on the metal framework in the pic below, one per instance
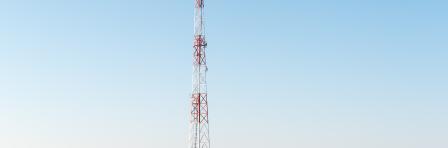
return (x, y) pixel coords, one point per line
(199, 128)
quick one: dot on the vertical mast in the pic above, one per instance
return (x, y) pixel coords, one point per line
(199, 133)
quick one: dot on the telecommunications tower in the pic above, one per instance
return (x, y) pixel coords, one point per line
(199, 130)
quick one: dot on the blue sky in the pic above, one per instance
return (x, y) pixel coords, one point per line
(310, 74)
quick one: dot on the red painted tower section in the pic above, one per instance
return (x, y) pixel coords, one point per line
(199, 127)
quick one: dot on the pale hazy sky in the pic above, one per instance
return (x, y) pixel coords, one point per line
(282, 73)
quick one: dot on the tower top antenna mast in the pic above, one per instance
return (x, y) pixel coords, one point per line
(199, 123)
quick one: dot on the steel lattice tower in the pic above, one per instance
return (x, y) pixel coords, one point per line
(199, 129)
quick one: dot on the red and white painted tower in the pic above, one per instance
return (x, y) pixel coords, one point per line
(199, 129)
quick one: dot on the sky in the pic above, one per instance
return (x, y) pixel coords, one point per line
(283, 73)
